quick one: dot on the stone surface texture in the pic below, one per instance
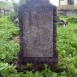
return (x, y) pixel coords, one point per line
(37, 22)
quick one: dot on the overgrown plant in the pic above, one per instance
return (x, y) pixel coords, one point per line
(9, 47)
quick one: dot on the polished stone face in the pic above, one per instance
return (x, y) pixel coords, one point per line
(38, 30)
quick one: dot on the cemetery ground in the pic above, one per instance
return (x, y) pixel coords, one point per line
(9, 48)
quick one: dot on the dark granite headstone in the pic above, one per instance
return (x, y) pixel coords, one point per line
(37, 20)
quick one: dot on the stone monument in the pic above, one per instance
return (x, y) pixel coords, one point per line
(37, 22)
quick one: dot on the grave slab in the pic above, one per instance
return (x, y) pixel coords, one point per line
(37, 23)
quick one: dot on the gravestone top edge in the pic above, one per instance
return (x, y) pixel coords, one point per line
(36, 1)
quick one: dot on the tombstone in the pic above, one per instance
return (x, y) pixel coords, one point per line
(37, 23)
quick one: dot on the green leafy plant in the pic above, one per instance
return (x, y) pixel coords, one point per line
(9, 48)
(72, 20)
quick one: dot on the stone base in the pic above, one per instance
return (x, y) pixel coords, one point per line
(39, 60)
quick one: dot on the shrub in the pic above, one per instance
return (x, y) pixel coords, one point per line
(72, 20)
(8, 46)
